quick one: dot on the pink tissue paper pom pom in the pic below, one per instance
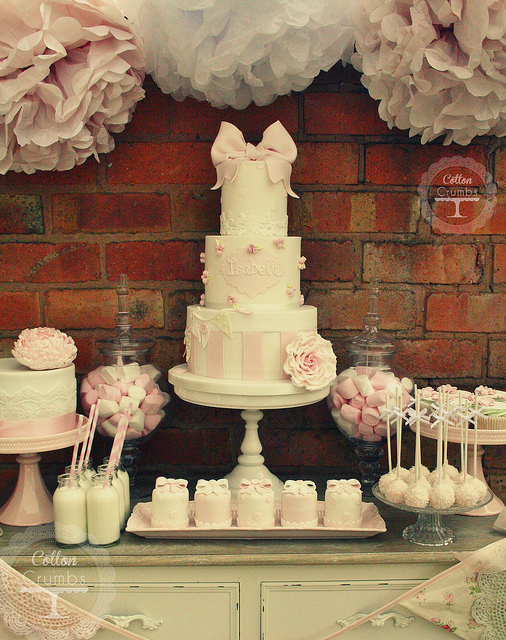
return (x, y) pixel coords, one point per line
(70, 74)
(310, 362)
(44, 348)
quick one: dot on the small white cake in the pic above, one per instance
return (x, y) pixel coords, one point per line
(299, 504)
(213, 504)
(170, 504)
(343, 504)
(255, 504)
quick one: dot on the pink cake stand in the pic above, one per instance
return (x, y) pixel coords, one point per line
(251, 397)
(31, 503)
(485, 436)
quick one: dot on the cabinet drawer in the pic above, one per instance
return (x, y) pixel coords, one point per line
(179, 611)
(311, 610)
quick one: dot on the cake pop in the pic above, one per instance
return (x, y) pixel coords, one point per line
(417, 495)
(442, 495)
(396, 490)
(466, 494)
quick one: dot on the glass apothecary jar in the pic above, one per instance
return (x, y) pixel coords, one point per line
(125, 381)
(364, 396)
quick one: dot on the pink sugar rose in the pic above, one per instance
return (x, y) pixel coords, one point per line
(202, 258)
(279, 243)
(220, 248)
(253, 248)
(205, 276)
(231, 299)
(44, 348)
(310, 361)
(302, 263)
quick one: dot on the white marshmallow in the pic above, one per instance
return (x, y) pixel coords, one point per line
(129, 372)
(137, 392)
(347, 373)
(125, 403)
(347, 427)
(109, 374)
(407, 384)
(152, 371)
(109, 427)
(137, 421)
(364, 385)
(107, 407)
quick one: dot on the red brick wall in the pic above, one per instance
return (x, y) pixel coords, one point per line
(146, 207)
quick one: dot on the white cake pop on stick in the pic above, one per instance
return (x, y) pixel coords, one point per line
(442, 494)
(396, 489)
(417, 494)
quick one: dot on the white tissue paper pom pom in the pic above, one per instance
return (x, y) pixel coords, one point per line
(437, 68)
(70, 73)
(233, 52)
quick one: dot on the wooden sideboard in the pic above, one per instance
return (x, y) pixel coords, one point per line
(246, 589)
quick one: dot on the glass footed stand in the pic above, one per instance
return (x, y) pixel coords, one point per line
(429, 529)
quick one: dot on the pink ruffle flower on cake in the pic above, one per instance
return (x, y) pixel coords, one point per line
(232, 300)
(437, 68)
(310, 362)
(205, 276)
(71, 74)
(252, 248)
(279, 243)
(302, 263)
(44, 348)
(219, 248)
(202, 258)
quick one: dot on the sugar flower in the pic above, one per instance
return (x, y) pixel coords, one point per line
(71, 74)
(205, 276)
(302, 263)
(252, 248)
(219, 248)
(231, 299)
(44, 348)
(279, 243)
(310, 361)
(202, 258)
(437, 67)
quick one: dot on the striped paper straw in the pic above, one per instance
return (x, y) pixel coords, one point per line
(91, 416)
(76, 447)
(117, 445)
(92, 434)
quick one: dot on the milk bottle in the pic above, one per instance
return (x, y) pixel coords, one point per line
(83, 481)
(69, 507)
(118, 485)
(125, 479)
(103, 512)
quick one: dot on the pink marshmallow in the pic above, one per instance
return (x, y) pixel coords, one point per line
(85, 386)
(94, 377)
(117, 384)
(363, 371)
(144, 381)
(377, 398)
(357, 401)
(91, 397)
(365, 429)
(381, 429)
(124, 387)
(379, 380)
(115, 418)
(151, 421)
(108, 392)
(336, 398)
(351, 414)
(347, 388)
(152, 404)
(370, 415)
(406, 397)
(132, 433)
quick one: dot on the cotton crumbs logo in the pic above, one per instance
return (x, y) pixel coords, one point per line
(457, 195)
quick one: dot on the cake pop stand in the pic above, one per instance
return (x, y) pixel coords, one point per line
(251, 397)
(31, 503)
(485, 436)
(429, 530)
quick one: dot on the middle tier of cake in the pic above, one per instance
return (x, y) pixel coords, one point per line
(236, 345)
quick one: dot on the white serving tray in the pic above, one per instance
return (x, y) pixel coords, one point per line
(140, 524)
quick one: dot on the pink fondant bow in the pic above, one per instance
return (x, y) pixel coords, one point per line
(277, 149)
(170, 484)
(255, 486)
(344, 486)
(212, 486)
(301, 487)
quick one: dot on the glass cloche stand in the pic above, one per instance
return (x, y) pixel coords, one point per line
(125, 347)
(375, 351)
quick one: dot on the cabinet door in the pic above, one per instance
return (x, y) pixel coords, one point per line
(313, 610)
(179, 611)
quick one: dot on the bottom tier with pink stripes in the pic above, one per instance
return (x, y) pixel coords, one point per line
(235, 344)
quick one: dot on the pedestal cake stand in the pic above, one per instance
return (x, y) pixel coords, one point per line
(484, 437)
(31, 503)
(251, 397)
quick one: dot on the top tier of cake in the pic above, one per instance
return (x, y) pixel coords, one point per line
(252, 205)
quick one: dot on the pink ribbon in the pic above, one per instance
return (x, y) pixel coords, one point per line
(255, 486)
(170, 485)
(344, 486)
(30, 428)
(302, 487)
(277, 149)
(212, 486)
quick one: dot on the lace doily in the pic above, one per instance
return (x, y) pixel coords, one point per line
(233, 52)
(30, 405)
(489, 609)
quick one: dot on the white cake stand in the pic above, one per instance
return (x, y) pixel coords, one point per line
(251, 397)
(484, 437)
(31, 503)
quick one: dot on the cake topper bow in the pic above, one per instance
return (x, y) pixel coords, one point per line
(277, 149)
(301, 487)
(170, 485)
(344, 486)
(212, 486)
(255, 485)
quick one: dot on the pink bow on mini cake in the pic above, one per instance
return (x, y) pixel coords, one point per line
(344, 486)
(212, 486)
(170, 485)
(277, 149)
(255, 486)
(301, 487)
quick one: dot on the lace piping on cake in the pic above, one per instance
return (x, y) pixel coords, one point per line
(242, 225)
(30, 405)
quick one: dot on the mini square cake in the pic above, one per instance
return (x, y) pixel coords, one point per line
(299, 504)
(213, 504)
(170, 504)
(343, 504)
(255, 504)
